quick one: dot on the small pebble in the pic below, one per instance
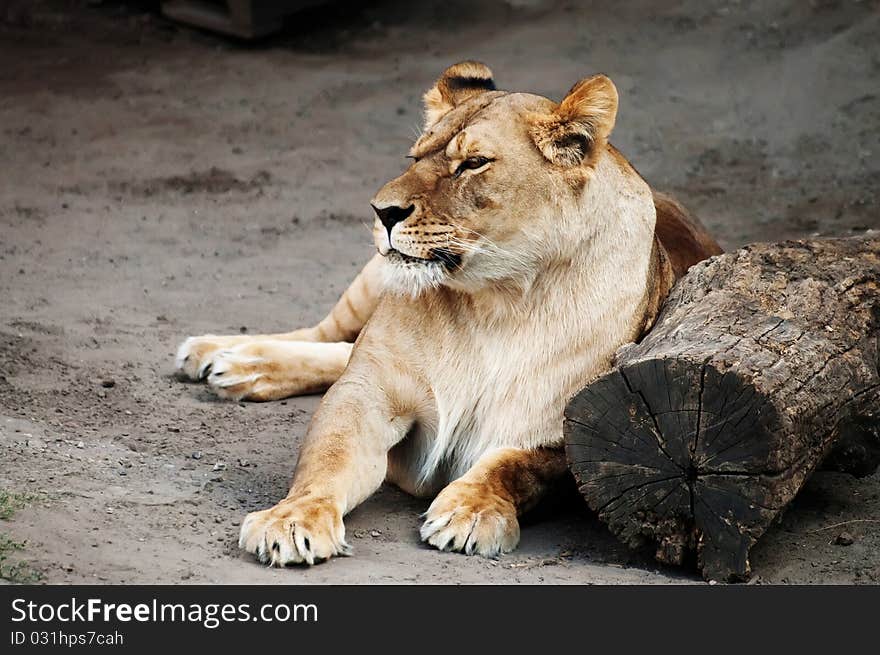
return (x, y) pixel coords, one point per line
(375, 533)
(109, 383)
(844, 539)
(197, 454)
(219, 466)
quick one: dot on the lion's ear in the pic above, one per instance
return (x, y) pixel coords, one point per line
(579, 123)
(457, 83)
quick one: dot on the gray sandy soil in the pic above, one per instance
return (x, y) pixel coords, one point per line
(157, 182)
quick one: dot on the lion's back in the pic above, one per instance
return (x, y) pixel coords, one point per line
(685, 240)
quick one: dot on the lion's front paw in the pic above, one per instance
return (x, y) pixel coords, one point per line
(194, 355)
(295, 531)
(245, 372)
(272, 369)
(470, 518)
(237, 374)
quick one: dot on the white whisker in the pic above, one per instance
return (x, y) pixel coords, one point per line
(494, 248)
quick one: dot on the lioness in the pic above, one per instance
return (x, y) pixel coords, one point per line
(517, 252)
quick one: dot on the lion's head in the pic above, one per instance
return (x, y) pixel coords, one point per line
(500, 182)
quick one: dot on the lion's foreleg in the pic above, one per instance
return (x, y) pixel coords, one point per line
(343, 460)
(478, 512)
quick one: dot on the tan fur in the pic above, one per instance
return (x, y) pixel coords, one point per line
(684, 238)
(524, 254)
(272, 369)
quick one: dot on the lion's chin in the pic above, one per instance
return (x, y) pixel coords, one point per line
(410, 276)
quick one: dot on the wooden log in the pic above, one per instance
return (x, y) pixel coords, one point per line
(761, 362)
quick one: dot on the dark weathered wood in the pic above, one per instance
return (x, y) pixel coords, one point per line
(762, 365)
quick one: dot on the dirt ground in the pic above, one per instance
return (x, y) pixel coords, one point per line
(158, 182)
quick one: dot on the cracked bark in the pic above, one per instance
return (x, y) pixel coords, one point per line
(762, 367)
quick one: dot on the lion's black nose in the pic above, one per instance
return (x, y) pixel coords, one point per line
(391, 216)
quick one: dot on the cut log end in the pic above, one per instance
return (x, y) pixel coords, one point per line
(676, 453)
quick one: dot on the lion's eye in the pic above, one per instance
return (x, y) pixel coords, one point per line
(471, 163)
